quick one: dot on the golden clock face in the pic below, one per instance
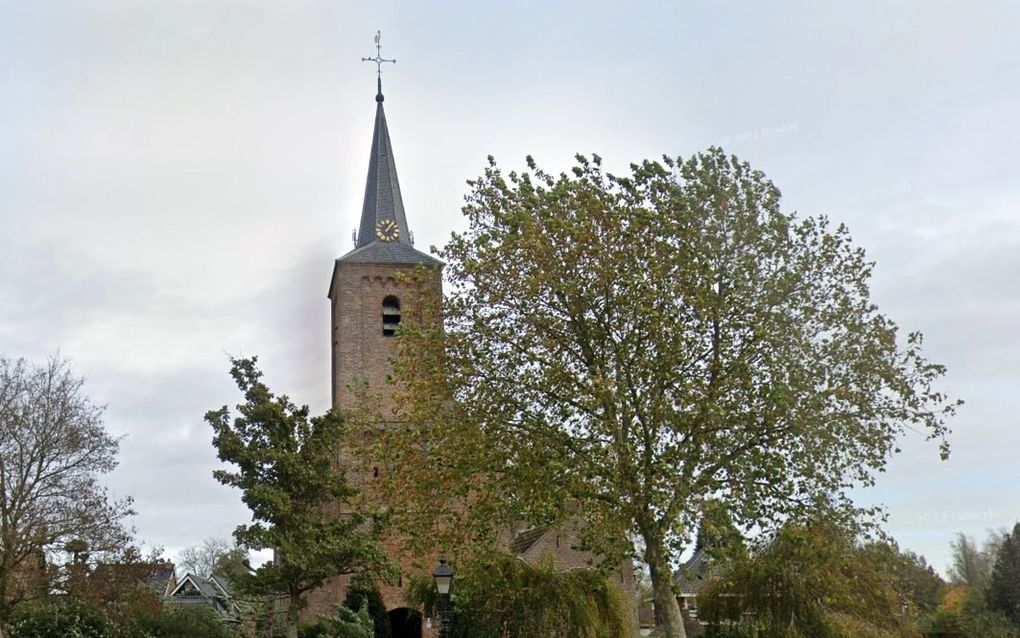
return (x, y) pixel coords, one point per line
(387, 230)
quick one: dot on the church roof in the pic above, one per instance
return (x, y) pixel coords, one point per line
(383, 201)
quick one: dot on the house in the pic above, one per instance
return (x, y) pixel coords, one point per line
(214, 592)
(692, 577)
(560, 545)
(690, 580)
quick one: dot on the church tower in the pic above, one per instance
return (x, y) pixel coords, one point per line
(365, 296)
(371, 288)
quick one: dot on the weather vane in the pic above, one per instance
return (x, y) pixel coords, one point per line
(378, 59)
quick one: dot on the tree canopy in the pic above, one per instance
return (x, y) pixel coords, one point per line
(53, 450)
(717, 534)
(1004, 583)
(217, 556)
(623, 348)
(972, 563)
(286, 471)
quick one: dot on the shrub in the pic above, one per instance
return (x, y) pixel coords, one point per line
(501, 596)
(358, 596)
(345, 623)
(180, 622)
(312, 630)
(66, 619)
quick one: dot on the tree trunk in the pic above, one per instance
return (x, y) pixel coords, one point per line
(5, 614)
(292, 615)
(666, 606)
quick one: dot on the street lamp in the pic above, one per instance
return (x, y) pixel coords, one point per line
(444, 578)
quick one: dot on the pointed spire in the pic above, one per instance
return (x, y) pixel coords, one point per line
(383, 236)
(382, 188)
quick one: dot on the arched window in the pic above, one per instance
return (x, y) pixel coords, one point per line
(390, 315)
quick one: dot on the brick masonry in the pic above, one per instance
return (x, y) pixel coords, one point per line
(361, 355)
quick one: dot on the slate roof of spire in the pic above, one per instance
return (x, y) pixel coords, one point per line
(383, 201)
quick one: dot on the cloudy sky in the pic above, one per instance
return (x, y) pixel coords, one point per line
(177, 177)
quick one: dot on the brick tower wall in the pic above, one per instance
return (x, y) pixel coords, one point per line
(361, 354)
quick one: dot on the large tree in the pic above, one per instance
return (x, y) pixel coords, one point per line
(972, 563)
(215, 556)
(299, 499)
(919, 584)
(1004, 584)
(53, 450)
(624, 348)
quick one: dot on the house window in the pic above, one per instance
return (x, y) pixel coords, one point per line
(390, 315)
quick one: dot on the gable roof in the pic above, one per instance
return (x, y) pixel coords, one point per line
(222, 583)
(525, 540)
(213, 591)
(202, 586)
(161, 579)
(699, 570)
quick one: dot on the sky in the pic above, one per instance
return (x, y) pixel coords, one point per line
(176, 179)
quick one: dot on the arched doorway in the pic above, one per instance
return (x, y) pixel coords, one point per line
(406, 623)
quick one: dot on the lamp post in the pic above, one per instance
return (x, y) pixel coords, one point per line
(444, 578)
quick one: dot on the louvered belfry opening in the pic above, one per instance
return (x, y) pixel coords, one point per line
(390, 316)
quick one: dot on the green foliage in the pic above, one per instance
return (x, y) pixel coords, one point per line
(985, 599)
(345, 623)
(67, 619)
(1004, 584)
(717, 534)
(814, 579)
(917, 583)
(623, 348)
(188, 621)
(311, 630)
(233, 565)
(501, 596)
(359, 596)
(964, 613)
(285, 471)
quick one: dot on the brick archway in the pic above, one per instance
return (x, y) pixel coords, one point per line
(406, 622)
